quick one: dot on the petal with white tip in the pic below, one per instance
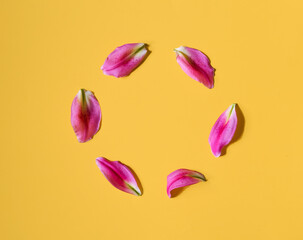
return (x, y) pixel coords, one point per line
(196, 65)
(181, 178)
(85, 115)
(119, 175)
(124, 59)
(223, 130)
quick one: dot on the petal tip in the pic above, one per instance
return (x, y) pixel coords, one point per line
(125, 59)
(210, 87)
(85, 115)
(119, 175)
(182, 178)
(223, 130)
(203, 178)
(196, 65)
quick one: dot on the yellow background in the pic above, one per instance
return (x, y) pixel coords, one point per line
(156, 120)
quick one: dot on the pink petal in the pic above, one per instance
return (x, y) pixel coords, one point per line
(181, 178)
(85, 115)
(119, 175)
(196, 65)
(223, 130)
(124, 59)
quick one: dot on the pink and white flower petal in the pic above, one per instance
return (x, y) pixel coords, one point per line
(196, 65)
(223, 130)
(85, 115)
(181, 178)
(119, 175)
(124, 59)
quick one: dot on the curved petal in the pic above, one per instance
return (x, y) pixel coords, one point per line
(85, 115)
(119, 175)
(223, 130)
(196, 65)
(124, 59)
(181, 178)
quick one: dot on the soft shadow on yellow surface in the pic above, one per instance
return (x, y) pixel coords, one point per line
(155, 120)
(239, 131)
(176, 192)
(137, 179)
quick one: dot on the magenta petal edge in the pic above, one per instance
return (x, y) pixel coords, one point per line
(196, 65)
(124, 59)
(223, 130)
(181, 178)
(85, 115)
(119, 175)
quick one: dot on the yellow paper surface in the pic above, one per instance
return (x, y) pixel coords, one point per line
(156, 120)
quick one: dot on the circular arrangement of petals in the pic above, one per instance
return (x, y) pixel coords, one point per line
(85, 115)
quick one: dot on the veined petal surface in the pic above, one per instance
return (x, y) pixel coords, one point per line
(196, 65)
(124, 59)
(119, 175)
(223, 130)
(181, 178)
(85, 115)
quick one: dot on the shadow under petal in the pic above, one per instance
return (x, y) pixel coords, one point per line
(177, 191)
(136, 178)
(143, 60)
(239, 130)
